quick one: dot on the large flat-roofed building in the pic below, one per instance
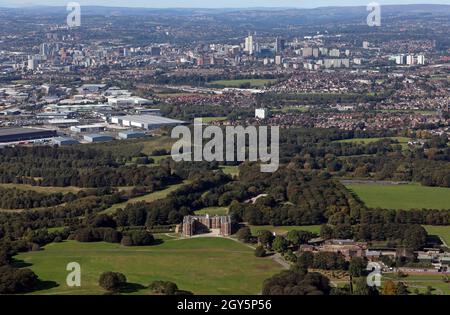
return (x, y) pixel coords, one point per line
(65, 141)
(193, 225)
(98, 138)
(145, 121)
(131, 135)
(24, 134)
(89, 128)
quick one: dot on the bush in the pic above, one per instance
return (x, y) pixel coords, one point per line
(112, 281)
(244, 234)
(126, 241)
(163, 287)
(13, 280)
(260, 251)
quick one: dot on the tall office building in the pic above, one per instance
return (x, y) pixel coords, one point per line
(421, 60)
(44, 50)
(249, 45)
(280, 45)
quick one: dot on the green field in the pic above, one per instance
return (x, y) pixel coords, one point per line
(285, 229)
(147, 198)
(157, 143)
(238, 83)
(421, 282)
(40, 189)
(407, 196)
(230, 170)
(401, 140)
(442, 231)
(213, 211)
(201, 265)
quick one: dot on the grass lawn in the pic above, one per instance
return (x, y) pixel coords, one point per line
(408, 196)
(230, 170)
(421, 282)
(284, 229)
(401, 140)
(157, 143)
(442, 231)
(238, 83)
(213, 211)
(147, 198)
(44, 190)
(202, 265)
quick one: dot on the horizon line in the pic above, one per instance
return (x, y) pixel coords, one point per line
(215, 8)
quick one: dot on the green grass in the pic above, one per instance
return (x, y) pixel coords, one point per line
(407, 196)
(442, 231)
(161, 194)
(285, 229)
(213, 211)
(157, 143)
(230, 170)
(238, 83)
(421, 282)
(44, 190)
(401, 140)
(202, 265)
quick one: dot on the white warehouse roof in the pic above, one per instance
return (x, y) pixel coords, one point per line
(149, 120)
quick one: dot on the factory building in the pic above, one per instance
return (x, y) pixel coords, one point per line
(145, 121)
(64, 141)
(98, 138)
(88, 128)
(131, 135)
(24, 134)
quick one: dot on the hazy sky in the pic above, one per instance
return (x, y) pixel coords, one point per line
(215, 3)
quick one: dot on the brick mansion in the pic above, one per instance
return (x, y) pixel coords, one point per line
(193, 225)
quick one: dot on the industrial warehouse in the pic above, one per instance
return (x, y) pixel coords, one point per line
(8, 135)
(145, 121)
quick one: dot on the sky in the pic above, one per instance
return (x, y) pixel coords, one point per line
(215, 3)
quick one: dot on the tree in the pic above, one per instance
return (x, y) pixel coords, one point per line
(244, 234)
(280, 244)
(163, 287)
(389, 288)
(265, 238)
(326, 232)
(297, 238)
(401, 289)
(112, 281)
(305, 260)
(360, 287)
(260, 251)
(14, 280)
(357, 267)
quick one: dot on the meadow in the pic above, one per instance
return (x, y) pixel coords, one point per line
(401, 140)
(402, 196)
(421, 282)
(442, 231)
(161, 194)
(216, 266)
(213, 211)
